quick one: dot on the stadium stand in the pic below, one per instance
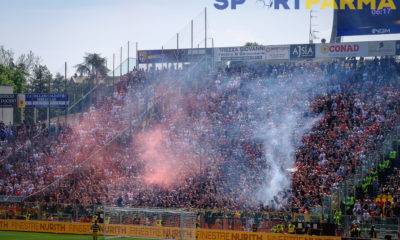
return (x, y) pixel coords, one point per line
(93, 163)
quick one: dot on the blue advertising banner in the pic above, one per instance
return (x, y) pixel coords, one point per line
(172, 55)
(8, 100)
(368, 21)
(43, 100)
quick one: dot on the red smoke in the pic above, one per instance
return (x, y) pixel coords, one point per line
(167, 160)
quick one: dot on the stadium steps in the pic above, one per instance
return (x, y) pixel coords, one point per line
(348, 186)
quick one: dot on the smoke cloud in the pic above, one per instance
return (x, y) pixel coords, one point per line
(238, 134)
(284, 116)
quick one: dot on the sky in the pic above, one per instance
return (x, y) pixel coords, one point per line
(61, 31)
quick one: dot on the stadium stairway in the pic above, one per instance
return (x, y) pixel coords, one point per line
(383, 229)
(347, 188)
(384, 226)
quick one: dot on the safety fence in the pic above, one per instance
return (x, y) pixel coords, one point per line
(147, 231)
(259, 221)
(383, 226)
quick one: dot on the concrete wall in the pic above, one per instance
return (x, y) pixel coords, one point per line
(6, 114)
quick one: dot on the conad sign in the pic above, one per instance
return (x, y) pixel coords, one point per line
(342, 50)
(148, 232)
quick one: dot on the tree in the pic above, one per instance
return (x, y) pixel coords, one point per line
(15, 73)
(13, 76)
(6, 56)
(40, 79)
(5, 75)
(93, 66)
(251, 44)
(82, 70)
(19, 79)
(28, 62)
(58, 84)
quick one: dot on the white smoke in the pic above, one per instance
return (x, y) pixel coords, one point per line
(285, 118)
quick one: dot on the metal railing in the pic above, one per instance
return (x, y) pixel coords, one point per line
(348, 186)
(383, 226)
(262, 221)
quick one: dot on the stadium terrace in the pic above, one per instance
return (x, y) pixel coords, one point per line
(195, 141)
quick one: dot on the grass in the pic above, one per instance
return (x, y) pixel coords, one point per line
(48, 236)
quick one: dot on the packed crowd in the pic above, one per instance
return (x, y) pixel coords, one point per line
(389, 194)
(5, 132)
(13, 139)
(384, 203)
(357, 116)
(164, 141)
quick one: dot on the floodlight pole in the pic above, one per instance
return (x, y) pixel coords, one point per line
(48, 108)
(205, 28)
(191, 34)
(137, 57)
(162, 59)
(65, 90)
(113, 73)
(177, 48)
(128, 57)
(120, 64)
(177, 41)
(212, 55)
(310, 34)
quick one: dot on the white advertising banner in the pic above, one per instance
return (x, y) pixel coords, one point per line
(352, 49)
(253, 53)
(280, 52)
(322, 50)
(383, 48)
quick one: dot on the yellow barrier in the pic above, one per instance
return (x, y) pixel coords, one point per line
(148, 232)
(42, 226)
(206, 234)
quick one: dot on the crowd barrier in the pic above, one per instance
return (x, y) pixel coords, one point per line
(147, 231)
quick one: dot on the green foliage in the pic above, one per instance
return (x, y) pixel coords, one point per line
(13, 76)
(40, 80)
(15, 71)
(5, 75)
(58, 84)
(19, 80)
(93, 66)
(251, 44)
(26, 75)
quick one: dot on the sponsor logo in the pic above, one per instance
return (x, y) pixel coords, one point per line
(374, 5)
(381, 48)
(277, 52)
(302, 51)
(224, 4)
(240, 53)
(342, 48)
(8, 100)
(269, 49)
(380, 30)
